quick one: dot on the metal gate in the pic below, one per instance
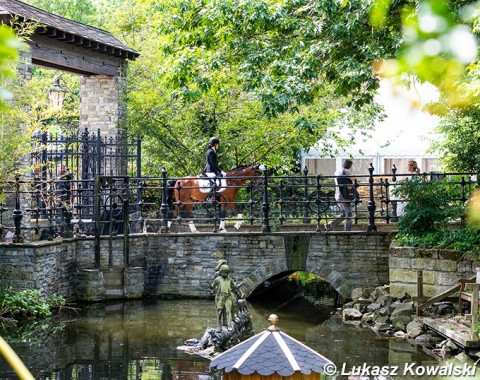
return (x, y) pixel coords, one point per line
(76, 182)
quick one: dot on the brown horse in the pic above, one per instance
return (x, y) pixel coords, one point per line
(187, 192)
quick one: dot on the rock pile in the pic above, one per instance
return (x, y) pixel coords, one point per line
(395, 316)
(379, 309)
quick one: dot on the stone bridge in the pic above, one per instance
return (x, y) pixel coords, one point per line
(183, 265)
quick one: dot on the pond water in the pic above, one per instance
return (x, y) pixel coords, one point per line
(139, 340)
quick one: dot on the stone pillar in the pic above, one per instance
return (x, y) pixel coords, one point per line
(102, 105)
(91, 285)
(134, 282)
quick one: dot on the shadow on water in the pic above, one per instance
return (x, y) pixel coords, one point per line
(139, 340)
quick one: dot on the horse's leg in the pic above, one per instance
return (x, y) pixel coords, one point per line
(221, 227)
(239, 222)
(223, 214)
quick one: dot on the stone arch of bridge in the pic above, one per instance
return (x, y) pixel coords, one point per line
(266, 275)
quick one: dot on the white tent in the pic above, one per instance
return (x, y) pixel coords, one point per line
(405, 135)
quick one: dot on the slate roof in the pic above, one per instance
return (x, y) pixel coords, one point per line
(268, 353)
(68, 30)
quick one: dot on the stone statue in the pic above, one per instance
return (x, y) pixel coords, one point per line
(234, 324)
(226, 296)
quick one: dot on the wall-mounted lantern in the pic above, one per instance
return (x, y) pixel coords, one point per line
(57, 95)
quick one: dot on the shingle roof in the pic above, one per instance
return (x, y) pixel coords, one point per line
(270, 352)
(65, 29)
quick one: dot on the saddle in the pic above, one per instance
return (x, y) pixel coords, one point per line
(206, 182)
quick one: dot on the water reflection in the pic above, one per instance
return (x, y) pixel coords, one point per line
(138, 340)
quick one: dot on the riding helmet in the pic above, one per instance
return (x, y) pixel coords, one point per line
(213, 141)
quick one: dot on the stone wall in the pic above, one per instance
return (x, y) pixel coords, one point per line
(183, 265)
(48, 266)
(350, 260)
(441, 270)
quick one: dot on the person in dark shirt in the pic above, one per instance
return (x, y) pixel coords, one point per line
(211, 157)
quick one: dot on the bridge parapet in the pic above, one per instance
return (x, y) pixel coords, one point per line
(183, 265)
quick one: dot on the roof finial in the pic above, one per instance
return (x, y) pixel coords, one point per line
(273, 319)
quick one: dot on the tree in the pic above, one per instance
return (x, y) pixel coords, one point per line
(273, 77)
(195, 79)
(84, 11)
(283, 53)
(10, 46)
(12, 140)
(458, 145)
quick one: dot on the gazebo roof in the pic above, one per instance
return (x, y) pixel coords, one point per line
(70, 31)
(269, 352)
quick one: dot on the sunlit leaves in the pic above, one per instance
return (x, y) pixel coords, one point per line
(473, 210)
(9, 55)
(436, 47)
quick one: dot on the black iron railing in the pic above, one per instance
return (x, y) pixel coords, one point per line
(38, 208)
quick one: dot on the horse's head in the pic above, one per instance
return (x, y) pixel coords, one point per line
(258, 172)
(258, 169)
(248, 171)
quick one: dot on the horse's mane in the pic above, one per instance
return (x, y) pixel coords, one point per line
(239, 167)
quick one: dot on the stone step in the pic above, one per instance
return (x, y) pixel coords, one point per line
(113, 278)
(113, 293)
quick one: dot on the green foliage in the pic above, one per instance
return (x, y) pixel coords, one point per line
(9, 55)
(218, 69)
(431, 204)
(473, 209)
(304, 278)
(465, 240)
(459, 140)
(83, 11)
(27, 303)
(283, 53)
(437, 44)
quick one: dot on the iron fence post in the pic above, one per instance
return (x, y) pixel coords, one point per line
(306, 219)
(83, 192)
(99, 152)
(215, 203)
(126, 219)
(251, 202)
(139, 157)
(67, 206)
(265, 204)
(318, 201)
(371, 202)
(96, 198)
(139, 172)
(164, 206)
(43, 173)
(17, 213)
(388, 202)
(281, 202)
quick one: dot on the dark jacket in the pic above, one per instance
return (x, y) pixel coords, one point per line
(212, 166)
